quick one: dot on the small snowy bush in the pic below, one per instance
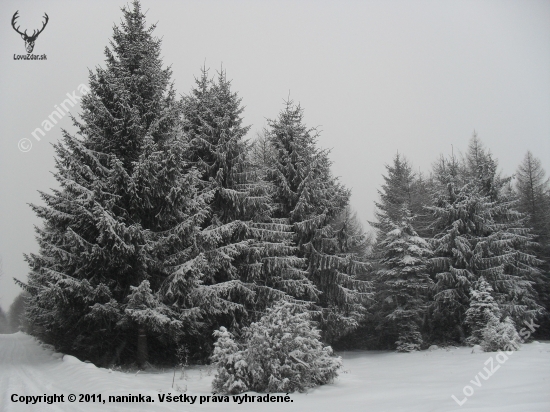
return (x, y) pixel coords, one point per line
(499, 335)
(280, 353)
(232, 374)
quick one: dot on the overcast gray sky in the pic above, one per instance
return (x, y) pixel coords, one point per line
(377, 77)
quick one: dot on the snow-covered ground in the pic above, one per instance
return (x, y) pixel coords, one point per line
(371, 381)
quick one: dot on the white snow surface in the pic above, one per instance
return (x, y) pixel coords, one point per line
(370, 381)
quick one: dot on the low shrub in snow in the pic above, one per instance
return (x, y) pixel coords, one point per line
(280, 353)
(499, 335)
(232, 375)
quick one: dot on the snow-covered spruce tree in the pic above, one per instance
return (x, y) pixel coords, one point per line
(459, 211)
(262, 154)
(351, 235)
(477, 236)
(118, 261)
(401, 187)
(482, 306)
(505, 250)
(404, 282)
(500, 335)
(249, 253)
(282, 352)
(231, 366)
(420, 199)
(479, 166)
(394, 194)
(310, 199)
(533, 193)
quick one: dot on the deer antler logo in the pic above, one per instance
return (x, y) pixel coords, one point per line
(29, 40)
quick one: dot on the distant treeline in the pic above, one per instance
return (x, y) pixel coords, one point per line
(454, 243)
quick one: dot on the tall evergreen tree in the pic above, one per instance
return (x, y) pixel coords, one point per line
(404, 282)
(119, 259)
(402, 187)
(533, 193)
(395, 193)
(481, 167)
(250, 253)
(477, 236)
(451, 246)
(310, 199)
(421, 198)
(262, 154)
(351, 234)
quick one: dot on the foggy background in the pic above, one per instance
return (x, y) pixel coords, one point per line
(376, 77)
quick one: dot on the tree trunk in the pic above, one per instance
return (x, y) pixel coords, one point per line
(141, 348)
(461, 333)
(115, 360)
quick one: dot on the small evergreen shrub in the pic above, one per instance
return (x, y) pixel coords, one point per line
(499, 335)
(280, 353)
(232, 375)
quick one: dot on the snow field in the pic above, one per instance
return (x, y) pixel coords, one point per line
(369, 381)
